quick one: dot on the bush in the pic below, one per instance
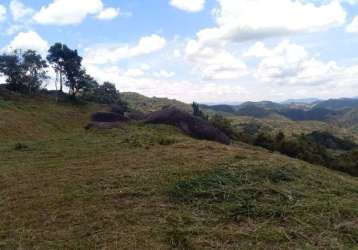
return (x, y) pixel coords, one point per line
(166, 141)
(347, 162)
(224, 125)
(266, 141)
(20, 146)
(198, 112)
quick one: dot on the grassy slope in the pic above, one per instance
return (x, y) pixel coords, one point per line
(146, 104)
(150, 187)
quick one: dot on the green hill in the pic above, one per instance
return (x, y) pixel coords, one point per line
(151, 187)
(146, 104)
(338, 104)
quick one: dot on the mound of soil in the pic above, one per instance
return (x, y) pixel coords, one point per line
(189, 124)
(107, 117)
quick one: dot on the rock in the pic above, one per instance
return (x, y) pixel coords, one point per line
(194, 126)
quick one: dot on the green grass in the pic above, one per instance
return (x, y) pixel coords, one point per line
(288, 207)
(146, 104)
(151, 187)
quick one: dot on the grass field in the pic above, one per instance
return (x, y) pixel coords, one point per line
(151, 187)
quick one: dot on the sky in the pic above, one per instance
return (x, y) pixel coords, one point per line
(209, 51)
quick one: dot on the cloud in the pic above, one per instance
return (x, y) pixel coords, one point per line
(134, 73)
(213, 52)
(113, 54)
(2, 13)
(21, 17)
(242, 20)
(108, 14)
(65, 12)
(164, 74)
(28, 40)
(166, 87)
(351, 2)
(215, 63)
(19, 11)
(188, 5)
(353, 26)
(291, 65)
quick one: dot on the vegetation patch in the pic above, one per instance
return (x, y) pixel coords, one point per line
(20, 146)
(239, 191)
(279, 206)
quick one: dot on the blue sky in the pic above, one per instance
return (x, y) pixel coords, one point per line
(202, 50)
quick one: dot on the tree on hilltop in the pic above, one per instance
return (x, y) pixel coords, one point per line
(25, 72)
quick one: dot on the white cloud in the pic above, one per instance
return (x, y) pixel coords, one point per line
(19, 11)
(188, 5)
(28, 40)
(351, 2)
(291, 65)
(65, 12)
(215, 63)
(108, 14)
(114, 54)
(167, 87)
(353, 26)
(2, 13)
(21, 16)
(241, 20)
(177, 53)
(134, 73)
(164, 74)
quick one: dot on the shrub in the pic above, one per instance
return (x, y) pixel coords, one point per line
(266, 141)
(20, 146)
(166, 141)
(198, 112)
(223, 124)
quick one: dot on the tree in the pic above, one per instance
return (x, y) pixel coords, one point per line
(35, 70)
(104, 94)
(107, 94)
(25, 72)
(10, 66)
(86, 84)
(197, 111)
(68, 67)
(56, 57)
(75, 76)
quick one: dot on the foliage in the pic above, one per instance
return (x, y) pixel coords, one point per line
(106, 93)
(20, 146)
(223, 124)
(68, 67)
(315, 150)
(57, 57)
(330, 141)
(198, 112)
(25, 71)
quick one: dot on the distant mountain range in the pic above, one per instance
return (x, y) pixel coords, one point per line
(297, 110)
(342, 111)
(301, 101)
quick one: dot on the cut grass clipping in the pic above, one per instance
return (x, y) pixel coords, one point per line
(283, 200)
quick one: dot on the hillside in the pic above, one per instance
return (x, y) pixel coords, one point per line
(145, 104)
(338, 104)
(151, 187)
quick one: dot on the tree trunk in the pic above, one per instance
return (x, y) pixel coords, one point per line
(60, 81)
